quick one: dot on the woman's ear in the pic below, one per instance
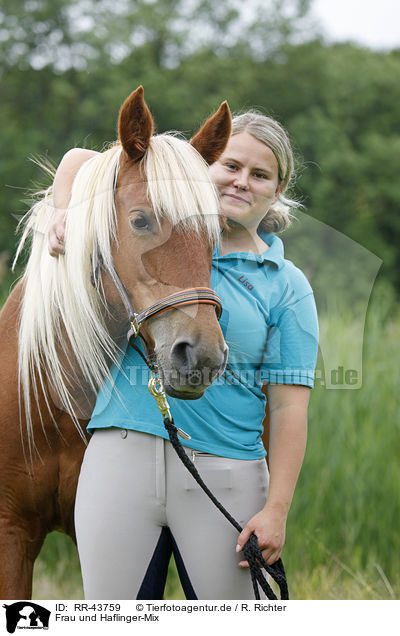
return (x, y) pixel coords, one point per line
(278, 191)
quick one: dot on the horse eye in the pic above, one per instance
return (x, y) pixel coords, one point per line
(140, 222)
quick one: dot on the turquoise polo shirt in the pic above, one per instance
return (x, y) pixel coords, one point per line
(269, 322)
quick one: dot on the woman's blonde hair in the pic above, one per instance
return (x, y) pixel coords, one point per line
(273, 135)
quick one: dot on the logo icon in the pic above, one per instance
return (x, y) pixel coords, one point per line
(26, 615)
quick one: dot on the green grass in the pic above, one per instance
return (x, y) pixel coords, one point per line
(343, 529)
(346, 510)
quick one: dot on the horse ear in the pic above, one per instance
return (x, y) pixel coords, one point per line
(213, 136)
(135, 125)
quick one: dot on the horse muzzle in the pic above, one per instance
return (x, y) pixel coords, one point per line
(192, 368)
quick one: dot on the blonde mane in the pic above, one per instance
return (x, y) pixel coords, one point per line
(62, 313)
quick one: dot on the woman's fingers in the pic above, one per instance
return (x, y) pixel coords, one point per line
(56, 245)
(269, 557)
(56, 235)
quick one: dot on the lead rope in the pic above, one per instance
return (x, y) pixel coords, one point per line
(251, 550)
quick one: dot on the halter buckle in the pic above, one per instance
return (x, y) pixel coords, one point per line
(135, 326)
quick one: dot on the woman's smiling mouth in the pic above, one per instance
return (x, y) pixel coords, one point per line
(235, 197)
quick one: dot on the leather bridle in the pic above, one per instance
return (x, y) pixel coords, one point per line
(190, 296)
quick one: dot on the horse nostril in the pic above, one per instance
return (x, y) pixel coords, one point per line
(192, 360)
(183, 356)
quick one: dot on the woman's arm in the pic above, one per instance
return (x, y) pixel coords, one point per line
(288, 406)
(62, 186)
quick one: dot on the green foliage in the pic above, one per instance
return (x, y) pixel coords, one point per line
(62, 83)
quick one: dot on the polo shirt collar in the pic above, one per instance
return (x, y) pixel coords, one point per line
(275, 253)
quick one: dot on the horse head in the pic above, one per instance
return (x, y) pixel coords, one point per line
(167, 222)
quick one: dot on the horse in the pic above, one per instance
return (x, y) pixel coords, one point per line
(141, 224)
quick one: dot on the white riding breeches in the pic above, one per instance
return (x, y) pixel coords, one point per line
(132, 487)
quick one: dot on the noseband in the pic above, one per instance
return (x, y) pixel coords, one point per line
(191, 296)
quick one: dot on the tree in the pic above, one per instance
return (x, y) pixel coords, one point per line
(63, 82)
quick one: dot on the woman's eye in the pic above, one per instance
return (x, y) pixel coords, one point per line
(140, 222)
(230, 166)
(260, 175)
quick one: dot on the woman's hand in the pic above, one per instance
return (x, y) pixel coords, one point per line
(56, 234)
(269, 526)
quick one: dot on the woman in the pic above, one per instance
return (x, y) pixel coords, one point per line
(269, 322)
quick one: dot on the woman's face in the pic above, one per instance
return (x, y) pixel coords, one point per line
(247, 178)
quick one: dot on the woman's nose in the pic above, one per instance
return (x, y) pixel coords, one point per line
(241, 181)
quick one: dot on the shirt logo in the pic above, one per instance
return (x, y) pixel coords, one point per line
(242, 279)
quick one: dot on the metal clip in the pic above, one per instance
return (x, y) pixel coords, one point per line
(182, 433)
(135, 325)
(157, 391)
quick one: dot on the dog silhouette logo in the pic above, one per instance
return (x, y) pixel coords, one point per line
(26, 615)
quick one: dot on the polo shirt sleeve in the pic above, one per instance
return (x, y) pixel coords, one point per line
(290, 353)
